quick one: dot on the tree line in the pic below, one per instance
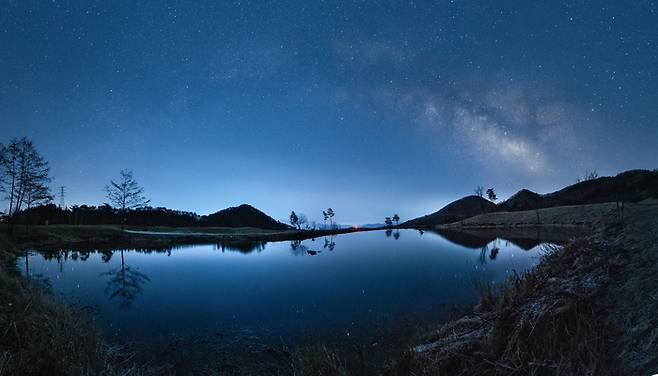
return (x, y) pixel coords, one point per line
(24, 185)
(300, 221)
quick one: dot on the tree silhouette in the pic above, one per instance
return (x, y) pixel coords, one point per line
(294, 220)
(302, 220)
(479, 191)
(24, 176)
(125, 195)
(588, 175)
(329, 214)
(492, 195)
(396, 219)
(388, 221)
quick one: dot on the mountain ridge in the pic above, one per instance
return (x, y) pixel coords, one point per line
(627, 186)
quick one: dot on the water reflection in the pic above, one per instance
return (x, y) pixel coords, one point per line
(329, 243)
(525, 239)
(125, 283)
(372, 276)
(242, 246)
(298, 248)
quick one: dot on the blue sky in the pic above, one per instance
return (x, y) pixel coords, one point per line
(372, 108)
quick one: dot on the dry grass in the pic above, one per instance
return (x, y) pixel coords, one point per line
(42, 336)
(546, 321)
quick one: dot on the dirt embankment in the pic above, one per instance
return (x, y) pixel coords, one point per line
(588, 308)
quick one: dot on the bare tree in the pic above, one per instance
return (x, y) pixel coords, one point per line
(588, 175)
(294, 220)
(24, 176)
(302, 220)
(329, 214)
(479, 191)
(492, 195)
(126, 194)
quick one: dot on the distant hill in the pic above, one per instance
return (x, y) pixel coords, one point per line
(629, 186)
(522, 200)
(372, 225)
(463, 208)
(243, 216)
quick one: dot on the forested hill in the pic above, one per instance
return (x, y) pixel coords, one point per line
(243, 216)
(240, 216)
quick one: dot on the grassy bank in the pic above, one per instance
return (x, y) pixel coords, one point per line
(39, 335)
(109, 237)
(42, 335)
(593, 216)
(588, 308)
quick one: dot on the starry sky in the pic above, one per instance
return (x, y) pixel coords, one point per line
(371, 108)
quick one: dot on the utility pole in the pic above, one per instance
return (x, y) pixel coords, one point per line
(62, 195)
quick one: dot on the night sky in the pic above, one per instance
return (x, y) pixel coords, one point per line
(371, 108)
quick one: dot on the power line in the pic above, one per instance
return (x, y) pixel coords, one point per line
(62, 195)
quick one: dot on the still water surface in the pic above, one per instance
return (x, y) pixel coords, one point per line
(338, 286)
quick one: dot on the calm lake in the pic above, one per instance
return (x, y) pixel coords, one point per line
(344, 286)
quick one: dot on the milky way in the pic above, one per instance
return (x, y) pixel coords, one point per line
(370, 108)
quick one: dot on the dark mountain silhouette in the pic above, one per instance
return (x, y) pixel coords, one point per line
(521, 200)
(629, 186)
(463, 208)
(243, 216)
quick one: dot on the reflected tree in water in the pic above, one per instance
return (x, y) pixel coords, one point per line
(395, 234)
(329, 243)
(125, 283)
(106, 256)
(494, 253)
(483, 254)
(297, 248)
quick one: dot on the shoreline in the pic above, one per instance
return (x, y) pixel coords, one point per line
(49, 238)
(463, 344)
(585, 309)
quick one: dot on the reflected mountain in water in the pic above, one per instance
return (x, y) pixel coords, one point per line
(242, 246)
(523, 238)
